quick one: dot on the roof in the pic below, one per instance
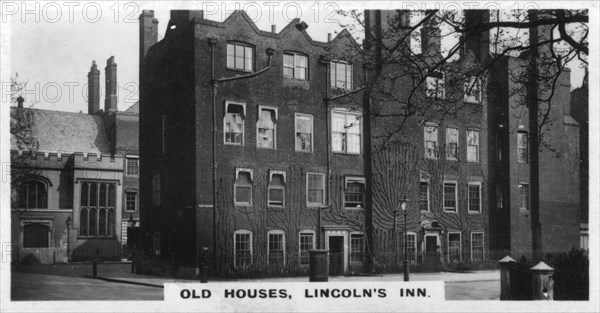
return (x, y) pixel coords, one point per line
(134, 108)
(65, 132)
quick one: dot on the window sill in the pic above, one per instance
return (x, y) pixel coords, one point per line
(474, 212)
(233, 144)
(96, 237)
(266, 148)
(275, 206)
(294, 78)
(454, 211)
(472, 161)
(242, 204)
(346, 153)
(315, 205)
(304, 151)
(240, 70)
(354, 208)
(472, 102)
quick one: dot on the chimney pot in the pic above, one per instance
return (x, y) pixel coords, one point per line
(328, 37)
(93, 89)
(20, 101)
(273, 29)
(110, 102)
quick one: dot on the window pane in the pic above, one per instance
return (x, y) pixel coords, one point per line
(266, 129)
(306, 243)
(102, 222)
(304, 129)
(454, 247)
(102, 194)
(249, 59)
(288, 65)
(111, 223)
(83, 222)
(243, 189)
(111, 195)
(239, 57)
(450, 196)
(131, 199)
(230, 56)
(93, 194)
(93, 221)
(424, 196)
(474, 198)
(276, 253)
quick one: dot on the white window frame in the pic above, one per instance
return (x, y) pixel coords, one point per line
(296, 63)
(355, 179)
(300, 233)
(314, 204)
(312, 135)
(428, 194)
(434, 134)
(244, 67)
(528, 196)
(448, 142)
(243, 117)
(482, 244)
(242, 231)
(459, 244)
(334, 74)
(271, 174)
(364, 246)
(478, 145)
(477, 88)
(433, 94)
(235, 185)
(275, 232)
(136, 200)
(478, 184)
(411, 233)
(520, 158)
(358, 118)
(448, 209)
(274, 110)
(132, 157)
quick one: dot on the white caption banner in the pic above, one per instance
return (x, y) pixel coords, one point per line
(296, 296)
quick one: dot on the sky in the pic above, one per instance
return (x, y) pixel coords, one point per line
(51, 45)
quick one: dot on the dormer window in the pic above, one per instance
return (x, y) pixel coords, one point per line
(295, 66)
(472, 89)
(436, 88)
(341, 75)
(240, 57)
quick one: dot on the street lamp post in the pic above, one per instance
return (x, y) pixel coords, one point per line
(68, 237)
(405, 261)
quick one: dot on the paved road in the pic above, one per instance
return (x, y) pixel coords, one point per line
(26, 286)
(65, 282)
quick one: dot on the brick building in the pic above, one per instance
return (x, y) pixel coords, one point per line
(262, 145)
(72, 197)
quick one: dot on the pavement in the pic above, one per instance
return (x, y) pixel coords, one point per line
(115, 282)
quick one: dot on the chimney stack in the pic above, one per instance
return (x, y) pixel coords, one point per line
(110, 101)
(148, 32)
(20, 101)
(328, 37)
(478, 43)
(273, 29)
(93, 89)
(431, 39)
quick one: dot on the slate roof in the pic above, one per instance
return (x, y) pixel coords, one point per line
(66, 132)
(134, 108)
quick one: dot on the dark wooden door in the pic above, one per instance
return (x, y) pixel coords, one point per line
(336, 255)
(431, 257)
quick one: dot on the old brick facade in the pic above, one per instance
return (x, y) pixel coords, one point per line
(267, 201)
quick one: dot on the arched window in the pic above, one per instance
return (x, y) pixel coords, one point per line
(83, 222)
(32, 194)
(97, 211)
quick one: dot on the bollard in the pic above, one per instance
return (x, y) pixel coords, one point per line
(203, 267)
(543, 283)
(318, 265)
(505, 277)
(132, 267)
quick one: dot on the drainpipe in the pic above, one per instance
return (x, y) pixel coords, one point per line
(214, 84)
